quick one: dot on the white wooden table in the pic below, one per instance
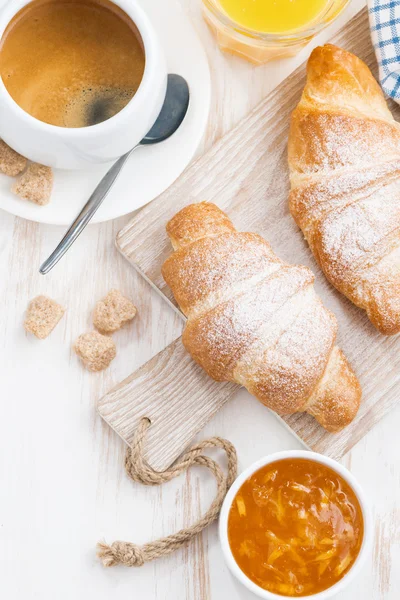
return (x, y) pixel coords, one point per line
(62, 482)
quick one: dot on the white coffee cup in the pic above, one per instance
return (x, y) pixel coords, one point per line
(366, 545)
(80, 148)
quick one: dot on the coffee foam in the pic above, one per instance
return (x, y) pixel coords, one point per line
(91, 106)
(71, 63)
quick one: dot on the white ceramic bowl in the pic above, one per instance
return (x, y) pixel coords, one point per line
(335, 466)
(80, 148)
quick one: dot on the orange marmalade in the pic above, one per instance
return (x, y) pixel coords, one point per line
(295, 527)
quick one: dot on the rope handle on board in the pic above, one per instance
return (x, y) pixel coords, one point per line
(131, 555)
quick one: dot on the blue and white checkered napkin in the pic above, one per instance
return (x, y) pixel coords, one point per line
(384, 18)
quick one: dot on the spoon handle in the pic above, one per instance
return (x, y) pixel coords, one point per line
(86, 214)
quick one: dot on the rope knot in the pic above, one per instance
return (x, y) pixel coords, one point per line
(131, 555)
(123, 553)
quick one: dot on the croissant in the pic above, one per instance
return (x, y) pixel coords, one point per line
(344, 159)
(255, 320)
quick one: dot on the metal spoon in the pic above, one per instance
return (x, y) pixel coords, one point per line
(170, 118)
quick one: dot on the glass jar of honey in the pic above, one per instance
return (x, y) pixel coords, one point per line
(262, 30)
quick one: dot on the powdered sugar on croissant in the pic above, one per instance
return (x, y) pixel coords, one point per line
(344, 158)
(256, 320)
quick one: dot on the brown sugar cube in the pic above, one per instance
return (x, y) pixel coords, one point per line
(95, 350)
(11, 163)
(42, 316)
(112, 312)
(35, 184)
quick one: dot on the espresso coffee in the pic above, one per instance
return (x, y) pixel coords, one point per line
(71, 63)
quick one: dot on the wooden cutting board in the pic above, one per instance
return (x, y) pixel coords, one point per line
(246, 174)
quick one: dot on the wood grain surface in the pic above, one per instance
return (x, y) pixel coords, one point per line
(62, 480)
(175, 394)
(246, 174)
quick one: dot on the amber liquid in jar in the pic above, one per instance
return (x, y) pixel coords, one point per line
(295, 527)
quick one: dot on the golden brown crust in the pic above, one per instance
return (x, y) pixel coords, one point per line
(256, 320)
(325, 141)
(197, 221)
(337, 399)
(288, 372)
(240, 256)
(339, 78)
(344, 158)
(239, 320)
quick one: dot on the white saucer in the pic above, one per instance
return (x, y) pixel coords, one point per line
(151, 169)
